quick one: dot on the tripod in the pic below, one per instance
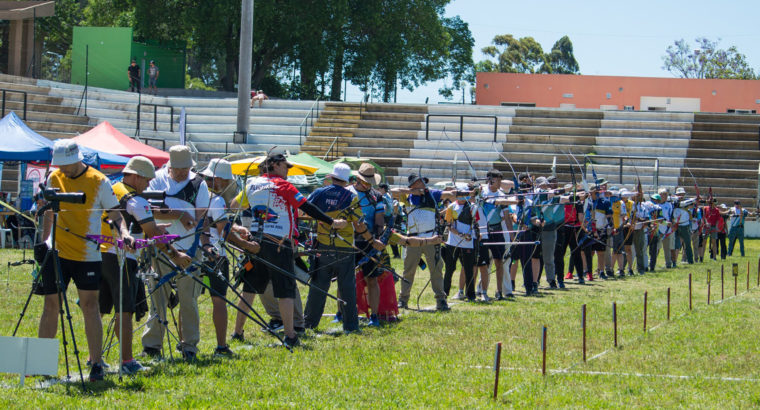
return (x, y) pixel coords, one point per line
(51, 257)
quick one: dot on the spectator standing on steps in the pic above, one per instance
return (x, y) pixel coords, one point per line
(133, 74)
(153, 72)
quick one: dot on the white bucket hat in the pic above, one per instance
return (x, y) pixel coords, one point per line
(341, 171)
(218, 168)
(66, 152)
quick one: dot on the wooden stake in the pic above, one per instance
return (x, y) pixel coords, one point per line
(721, 282)
(614, 321)
(543, 350)
(690, 291)
(668, 303)
(496, 367)
(645, 311)
(758, 271)
(583, 325)
(747, 275)
(708, 285)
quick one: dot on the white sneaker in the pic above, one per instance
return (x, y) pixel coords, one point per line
(459, 296)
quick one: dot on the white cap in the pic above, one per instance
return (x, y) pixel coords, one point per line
(218, 168)
(341, 171)
(66, 152)
(180, 157)
(680, 191)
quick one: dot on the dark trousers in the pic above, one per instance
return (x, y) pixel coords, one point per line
(467, 257)
(566, 238)
(653, 241)
(333, 262)
(396, 253)
(526, 253)
(721, 244)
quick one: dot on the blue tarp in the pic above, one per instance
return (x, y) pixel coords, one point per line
(18, 142)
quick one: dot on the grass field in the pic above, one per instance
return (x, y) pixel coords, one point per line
(706, 357)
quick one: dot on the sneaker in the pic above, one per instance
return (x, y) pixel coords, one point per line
(581, 281)
(132, 367)
(151, 352)
(642, 272)
(442, 306)
(535, 288)
(189, 356)
(223, 352)
(621, 273)
(292, 341)
(374, 321)
(102, 363)
(529, 291)
(509, 296)
(630, 272)
(610, 274)
(498, 296)
(590, 276)
(569, 275)
(275, 325)
(484, 297)
(459, 295)
(561, 285)
(300, 330)
(338, 318)
(553, 285)
(97, 373)
(602, 275)
(402, 304)
(237, 337)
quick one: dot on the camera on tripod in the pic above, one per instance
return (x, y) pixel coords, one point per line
(54, 195)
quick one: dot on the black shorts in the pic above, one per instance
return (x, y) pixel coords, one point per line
(217, 284)
(487, 251)
(629, 237)
(109, 285)
(599, 244)
(617, 241)
(369, 269)
(275, 258)
(86, 276)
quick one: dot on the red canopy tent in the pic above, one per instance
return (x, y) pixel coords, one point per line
(106, 138)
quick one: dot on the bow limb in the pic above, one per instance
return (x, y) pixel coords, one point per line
(472, 168)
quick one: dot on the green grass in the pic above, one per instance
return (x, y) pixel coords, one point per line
(444, 359)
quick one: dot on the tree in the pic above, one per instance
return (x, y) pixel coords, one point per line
(706, 61)
(525, 55)
(561, 58)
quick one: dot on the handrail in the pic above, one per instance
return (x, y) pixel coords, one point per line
(155, 115)
(303, 129)
(162, 141)
(587, 159)
(330, 149)
(461, 123)
(4, 90)
(193, 149)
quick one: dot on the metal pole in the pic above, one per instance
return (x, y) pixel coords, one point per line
(244, 68)
(621, 170)
(34, 42)
(86, 74)
(656, 176)
(645, 311)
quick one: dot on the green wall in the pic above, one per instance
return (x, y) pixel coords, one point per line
(111, 50)
(109, 56)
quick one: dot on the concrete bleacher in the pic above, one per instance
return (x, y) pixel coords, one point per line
(393, 135)
(210, 122)
(722, 151)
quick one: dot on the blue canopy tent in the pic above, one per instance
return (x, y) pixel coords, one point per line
(18, 142)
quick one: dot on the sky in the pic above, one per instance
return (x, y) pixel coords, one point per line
(609, 37)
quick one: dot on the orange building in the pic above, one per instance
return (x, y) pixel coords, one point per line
(618, 93)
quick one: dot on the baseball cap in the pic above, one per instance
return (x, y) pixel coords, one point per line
(275, 158)
(414, 178)
(141, 166)
(66, 152)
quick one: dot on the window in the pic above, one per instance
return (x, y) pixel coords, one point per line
(517, 104)
(609, 96)
(629, 108)
(567, 95)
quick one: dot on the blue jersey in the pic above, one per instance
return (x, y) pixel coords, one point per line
(371, 203)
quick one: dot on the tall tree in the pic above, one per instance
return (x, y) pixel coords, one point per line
(561, 59)
(525, 55)
(706, 61)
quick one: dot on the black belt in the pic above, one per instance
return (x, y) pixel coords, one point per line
(494, 227)
(421, 233)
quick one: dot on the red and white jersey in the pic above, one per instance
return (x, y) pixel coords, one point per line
(274, 202)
